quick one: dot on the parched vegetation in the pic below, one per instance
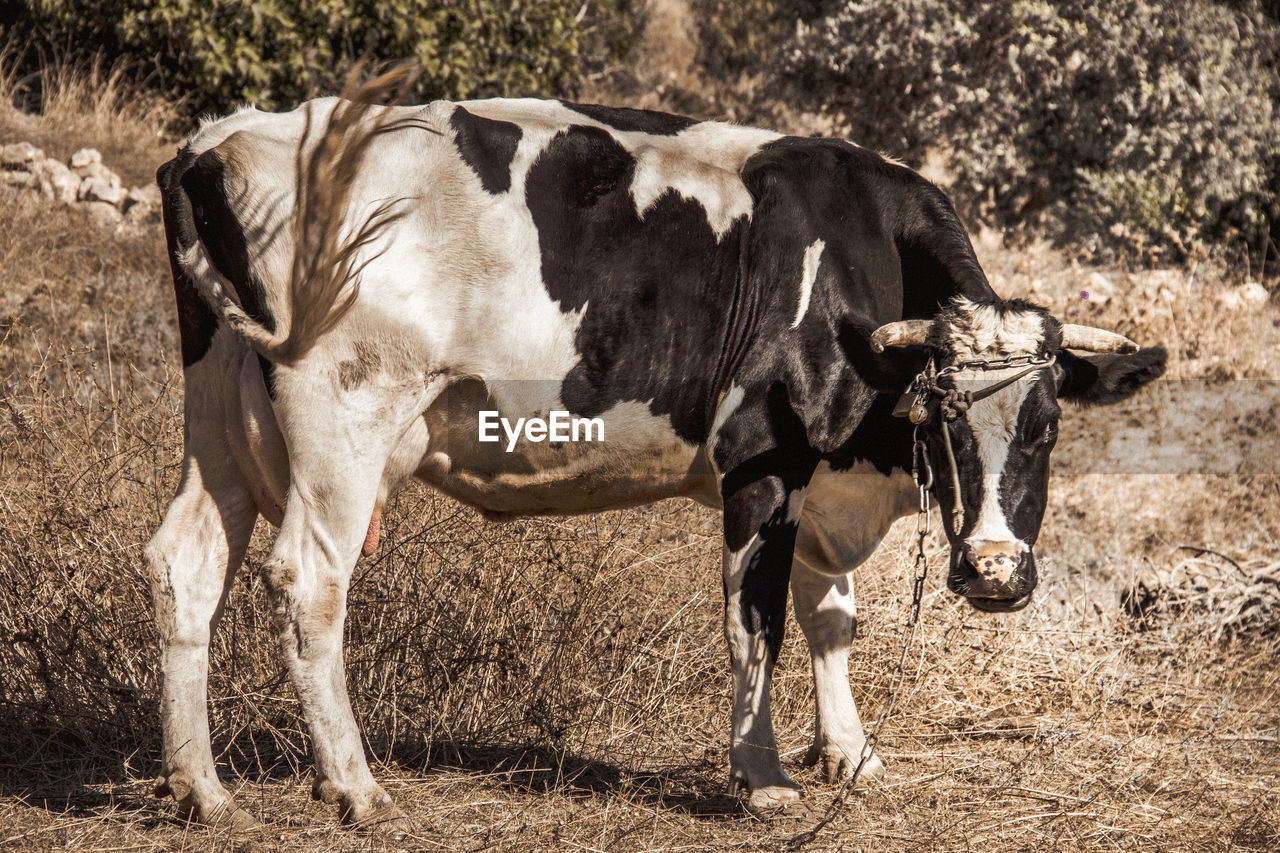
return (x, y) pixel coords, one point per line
(553, 684)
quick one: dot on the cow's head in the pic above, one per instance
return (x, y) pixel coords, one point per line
(990, 412)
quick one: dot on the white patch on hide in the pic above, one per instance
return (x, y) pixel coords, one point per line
(747, 652)
(809, 274)
(753, 753)
(729, 404)
(847, 513)
(702, 163)
(795, 505)
(994, 422)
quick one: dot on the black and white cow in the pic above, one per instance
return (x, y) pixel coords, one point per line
(739, 309)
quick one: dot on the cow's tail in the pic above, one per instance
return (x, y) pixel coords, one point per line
(328, 256)
(328, 251)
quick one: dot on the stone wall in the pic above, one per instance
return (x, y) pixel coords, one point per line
(82, 180)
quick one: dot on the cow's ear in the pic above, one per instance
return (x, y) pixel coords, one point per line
(1099, 380)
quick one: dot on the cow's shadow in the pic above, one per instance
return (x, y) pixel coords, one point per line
(79, 769)
(90, 768)
(697, 788)
(83, 781)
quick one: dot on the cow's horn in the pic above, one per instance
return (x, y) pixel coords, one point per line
(903, 333)
(1089, 339)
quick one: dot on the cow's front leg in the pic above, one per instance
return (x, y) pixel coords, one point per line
(824, 607)
(760, 531)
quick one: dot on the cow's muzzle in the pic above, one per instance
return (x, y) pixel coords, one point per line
(996, 577)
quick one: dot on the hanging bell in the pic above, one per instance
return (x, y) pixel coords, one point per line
(918, 413)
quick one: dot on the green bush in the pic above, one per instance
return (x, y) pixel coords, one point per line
(737, 36)
(1153, 119)
(276, 52)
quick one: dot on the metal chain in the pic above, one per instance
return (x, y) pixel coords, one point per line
(922, 473)
(1000, 364)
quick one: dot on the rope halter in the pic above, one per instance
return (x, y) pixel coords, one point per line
(954, 404)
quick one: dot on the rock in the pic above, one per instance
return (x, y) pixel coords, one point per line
(1253, 294)
(138, 213)
(17, 177)
(139, 203)
(148, 195)
(19, 155)
(103, 214)
(99, 172)
(1249, 296)
(85, 157)
(57, 182)
(98, 190)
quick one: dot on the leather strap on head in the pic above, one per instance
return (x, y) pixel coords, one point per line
(954, 404)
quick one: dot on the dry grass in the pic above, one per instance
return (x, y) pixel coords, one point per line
(94, 107)
(562, 684)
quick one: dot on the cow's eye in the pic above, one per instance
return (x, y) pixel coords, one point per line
(1050, 434)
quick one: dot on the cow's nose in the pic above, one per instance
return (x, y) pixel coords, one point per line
(994, 562)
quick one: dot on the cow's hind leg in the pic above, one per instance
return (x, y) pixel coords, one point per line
(307, 575)
(193, 560)
(824, 608)
(337, 468)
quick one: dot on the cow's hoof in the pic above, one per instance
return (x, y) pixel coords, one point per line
(389, 823)
(771, 789)
(216, 810)
(372, 811)
(837, 764)
(772, 799)
(226, 817)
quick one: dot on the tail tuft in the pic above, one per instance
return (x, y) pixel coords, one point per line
(324, 281)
